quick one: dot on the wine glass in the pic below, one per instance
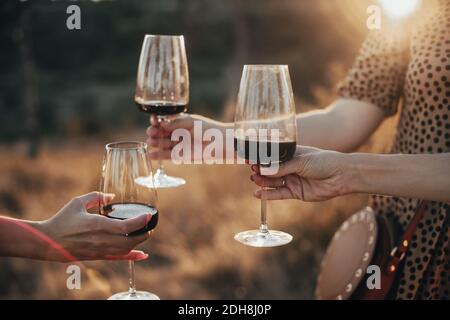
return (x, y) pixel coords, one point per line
(123, 164)
(162, 88)
(265, 134)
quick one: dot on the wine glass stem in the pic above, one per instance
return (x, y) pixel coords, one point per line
(160, 167)
(132, 285)
(160, 163)
(263, 227)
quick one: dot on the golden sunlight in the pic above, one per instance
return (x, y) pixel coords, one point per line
(399, 8)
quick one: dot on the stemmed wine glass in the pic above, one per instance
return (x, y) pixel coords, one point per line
(162, 88)
(265, 134)
(123, 164)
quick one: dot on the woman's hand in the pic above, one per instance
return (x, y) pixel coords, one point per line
(312, 175)
(159, 133)
(74, 233)
(316, 175)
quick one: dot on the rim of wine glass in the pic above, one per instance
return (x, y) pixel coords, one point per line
(266, 66)
(164, 35)
(126, 145)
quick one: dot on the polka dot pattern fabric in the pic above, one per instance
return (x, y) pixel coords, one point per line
(408, 65)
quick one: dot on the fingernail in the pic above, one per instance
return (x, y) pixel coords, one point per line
(141, 257)
(149, 217)
(266, 171)
(251, 178)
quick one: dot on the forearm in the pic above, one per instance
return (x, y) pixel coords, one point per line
(21, 238)
(311, 130)
(343, 126)
(209, 123)
(423, 176)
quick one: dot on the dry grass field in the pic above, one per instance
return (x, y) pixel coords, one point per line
(192, 253)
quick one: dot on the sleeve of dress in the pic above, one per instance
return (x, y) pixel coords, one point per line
(378, 72)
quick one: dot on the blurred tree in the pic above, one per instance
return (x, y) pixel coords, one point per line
(31, 92)
(86, 77)
(19, 23)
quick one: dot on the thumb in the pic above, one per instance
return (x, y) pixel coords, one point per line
(154, 121)
(295, 165)
(184, 121)
(93, 199)
(305, 150)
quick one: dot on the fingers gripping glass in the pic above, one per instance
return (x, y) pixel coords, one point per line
(162, 88)
(265, 134)
(124, 163)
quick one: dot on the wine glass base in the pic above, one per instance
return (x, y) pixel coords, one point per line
(160, 181)
(138, 295)
(256, 238)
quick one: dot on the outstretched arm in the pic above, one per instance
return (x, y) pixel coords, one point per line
(316, 175)
(421, 176)
(73, 234)
(343, 126)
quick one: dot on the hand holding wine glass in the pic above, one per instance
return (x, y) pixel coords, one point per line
(73, 234)
(312, 175)
(159, 134)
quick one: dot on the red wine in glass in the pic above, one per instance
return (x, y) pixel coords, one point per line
(129, 210)
(249, 149)
(162, 108)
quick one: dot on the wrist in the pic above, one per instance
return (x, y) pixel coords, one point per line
(366, 172)
(223, 126)
(35, 247)
(39, 243)
(45, 242)
(213, 124)
(21, 238)
(353, 173)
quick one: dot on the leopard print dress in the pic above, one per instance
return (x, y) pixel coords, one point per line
(407, 63)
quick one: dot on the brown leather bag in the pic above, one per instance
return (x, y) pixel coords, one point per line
(363, 240)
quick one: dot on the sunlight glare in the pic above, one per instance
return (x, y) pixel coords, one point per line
(399, 8)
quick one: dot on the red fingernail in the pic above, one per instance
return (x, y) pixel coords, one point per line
(141, 257)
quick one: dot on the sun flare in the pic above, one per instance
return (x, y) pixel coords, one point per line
(399, 8)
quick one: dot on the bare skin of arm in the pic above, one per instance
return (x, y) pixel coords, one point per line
(73, 234)
(343, 126)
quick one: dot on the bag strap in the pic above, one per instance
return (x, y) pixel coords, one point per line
(398, 253)
(391, 265)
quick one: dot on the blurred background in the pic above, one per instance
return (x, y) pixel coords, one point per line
(64, 94)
